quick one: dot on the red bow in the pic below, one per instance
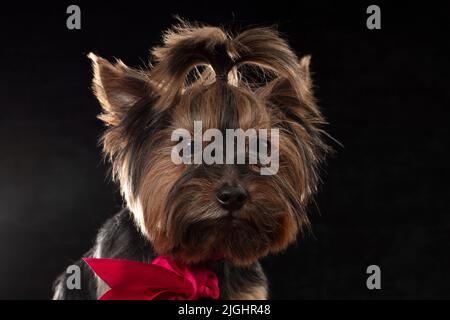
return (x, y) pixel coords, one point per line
(163, 279)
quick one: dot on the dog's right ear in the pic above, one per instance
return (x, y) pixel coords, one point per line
(117, 87)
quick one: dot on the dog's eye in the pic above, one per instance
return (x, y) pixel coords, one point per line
(264, 146)
(191, 146)
(187, 151)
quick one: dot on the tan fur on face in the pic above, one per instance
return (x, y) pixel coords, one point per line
(254, 293)
(175, 205)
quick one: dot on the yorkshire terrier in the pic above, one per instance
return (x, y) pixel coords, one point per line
(221, 215)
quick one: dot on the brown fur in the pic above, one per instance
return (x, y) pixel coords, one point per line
(175, 205)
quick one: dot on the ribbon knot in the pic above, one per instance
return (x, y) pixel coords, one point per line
(204, 291)
(163, 279)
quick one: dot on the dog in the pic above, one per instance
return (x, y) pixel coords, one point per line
(223, 216)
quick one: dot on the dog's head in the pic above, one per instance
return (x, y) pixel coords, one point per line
(194, 190)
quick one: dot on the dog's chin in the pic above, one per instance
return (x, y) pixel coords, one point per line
(237, 240)
(233, 256)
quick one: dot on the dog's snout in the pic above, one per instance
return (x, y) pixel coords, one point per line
(231, 197)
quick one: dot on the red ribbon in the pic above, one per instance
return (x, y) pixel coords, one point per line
(163, 279)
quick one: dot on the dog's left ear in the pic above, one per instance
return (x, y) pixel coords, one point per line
(117, 87)
(306, 74)
(294, 101)
(292, 95)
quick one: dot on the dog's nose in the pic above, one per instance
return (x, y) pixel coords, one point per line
(231, 197)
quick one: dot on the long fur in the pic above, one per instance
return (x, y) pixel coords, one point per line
(204, 73)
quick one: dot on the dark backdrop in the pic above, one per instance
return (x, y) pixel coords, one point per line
(384, 198)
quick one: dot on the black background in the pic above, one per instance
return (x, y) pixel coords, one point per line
(384, 198)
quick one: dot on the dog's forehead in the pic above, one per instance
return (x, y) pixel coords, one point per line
(229, 110)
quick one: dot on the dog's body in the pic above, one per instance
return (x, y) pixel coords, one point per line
(221, 216)
(119, 238)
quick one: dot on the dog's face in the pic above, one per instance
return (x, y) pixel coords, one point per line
(201, 211)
